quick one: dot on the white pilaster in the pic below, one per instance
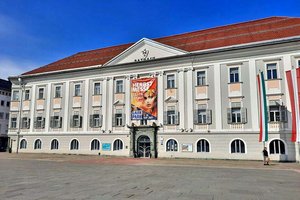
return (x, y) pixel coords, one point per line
(48, 102)
(189, 99)
(86, 105)
(110, 99)
(253, 95)
(218, 103)
(160, 97)
(127, 101)
(66, 107)
(32, 107)
(181, 98)
(287, 65)
(104, 104)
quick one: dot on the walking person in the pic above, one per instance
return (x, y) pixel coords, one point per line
(266, 156)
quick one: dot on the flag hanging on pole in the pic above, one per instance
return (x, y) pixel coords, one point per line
(263, 118)
(293, 80)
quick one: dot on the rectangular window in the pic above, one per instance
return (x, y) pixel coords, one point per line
(57, 92)
(57, 122)
(119, 86)
(15, 96)
(97, 88)
(234, 75)
(77, 90)
(272, 71)
(7, 116)
(202, 114)
(171, 116)
(201, 78)
(274, 114)
(2, 103)
(170, 81)
(25, 123)
(7, 103)
(119, 119)
(27, 95)
(76, 120)
(41, 93)
(1, 115)
(13, 122)
(40, 122)
(236, 115)
(96, 120)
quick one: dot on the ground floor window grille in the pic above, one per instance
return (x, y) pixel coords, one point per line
(202, 146)
(74, 145)
(95, 145)
(38, 144)
(172, 145)
(54, 144)
(23, 144)
(277, 147)
(237, 146)
(118, 145)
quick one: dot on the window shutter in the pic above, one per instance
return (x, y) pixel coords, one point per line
(28, 123)
(114, 120)
(177, 118)
(35, 123)
(22, 122)
(80, 122)
(60, 122)
(123, 119)
(283, 114)
(229, 117)
(208, 116)
(268, 111)
(196, 117)
(244, 115)
(165, 117)
(72, 121)
(92, 121)
(100, 120)
(52, 122)
(43, 123)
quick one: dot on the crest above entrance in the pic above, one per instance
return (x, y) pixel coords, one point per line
(144, 50)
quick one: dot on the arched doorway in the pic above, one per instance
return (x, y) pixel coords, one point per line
(144, 147)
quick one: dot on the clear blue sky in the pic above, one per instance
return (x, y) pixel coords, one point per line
(34, 33)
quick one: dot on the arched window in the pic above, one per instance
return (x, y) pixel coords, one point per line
(237, 146)
(54, 144)
(277, 147)
(74, 145)
(23, 144)
(118, 145)
(95, 144)
(172, 145)
(38, 144)
(202, 146)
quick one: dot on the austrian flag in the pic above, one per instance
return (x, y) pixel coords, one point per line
(293, 80)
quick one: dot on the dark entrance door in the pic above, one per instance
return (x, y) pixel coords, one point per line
(144, 147)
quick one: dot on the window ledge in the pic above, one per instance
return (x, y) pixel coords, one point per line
(235, 82)
(171, 88)
(202, 85)
(273, 79)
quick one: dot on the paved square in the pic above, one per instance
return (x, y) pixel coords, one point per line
(29, 178)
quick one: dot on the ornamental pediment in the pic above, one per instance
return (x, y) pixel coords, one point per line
(145, 50)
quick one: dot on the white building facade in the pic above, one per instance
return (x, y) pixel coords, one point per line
(207, 100)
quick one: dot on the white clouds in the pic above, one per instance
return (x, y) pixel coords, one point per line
(10, 67)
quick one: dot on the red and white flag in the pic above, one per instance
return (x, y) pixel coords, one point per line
(293, 80)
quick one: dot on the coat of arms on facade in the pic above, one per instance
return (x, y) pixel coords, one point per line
(145, 53)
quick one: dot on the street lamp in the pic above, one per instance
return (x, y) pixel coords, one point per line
(22, 85)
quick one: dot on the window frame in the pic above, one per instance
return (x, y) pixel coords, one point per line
(15, 95)
(22, 144)
(41, 95)
(37, 144)
(172, 147)
(74, 147)
(171, 83)
(272, 70)
(27, 95)
(201, 80)
(240, 148)
(202, 146)
(273, 151)
(118, 145)
(95, 145)
(96, 90)
(54, 146)
(57, 93)
(119, 86)
(236, 76)
(77, 89)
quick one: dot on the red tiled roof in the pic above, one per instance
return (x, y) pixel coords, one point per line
(235, 34)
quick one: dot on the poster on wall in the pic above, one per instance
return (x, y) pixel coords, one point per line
(187, 147)
(144, 99)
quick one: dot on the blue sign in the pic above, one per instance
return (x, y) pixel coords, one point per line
(106, 146)
(141, 115)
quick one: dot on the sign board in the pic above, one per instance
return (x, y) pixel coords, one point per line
(106, 146)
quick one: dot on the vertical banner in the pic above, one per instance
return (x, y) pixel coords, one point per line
(293, 80)
(263, 118)
(144, 99)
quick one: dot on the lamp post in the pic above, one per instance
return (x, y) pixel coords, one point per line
(22, 85)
